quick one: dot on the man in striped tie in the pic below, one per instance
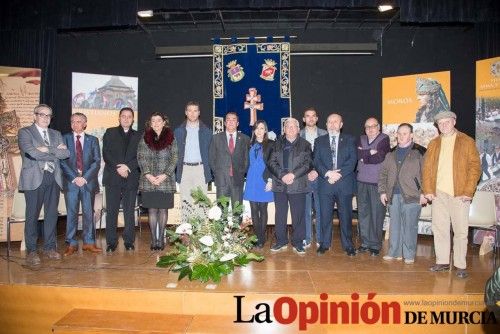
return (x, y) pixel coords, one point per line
(41, 180)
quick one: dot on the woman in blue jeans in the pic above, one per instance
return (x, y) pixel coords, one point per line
(258, 183)
(399, 186)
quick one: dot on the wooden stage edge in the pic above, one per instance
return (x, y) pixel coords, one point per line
(36, 309)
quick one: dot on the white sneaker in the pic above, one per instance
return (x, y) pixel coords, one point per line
(390, 258)
(409, 261)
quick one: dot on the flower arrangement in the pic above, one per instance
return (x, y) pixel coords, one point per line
(211, 243)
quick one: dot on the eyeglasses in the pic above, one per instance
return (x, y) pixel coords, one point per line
(41, 114)
(371, 126)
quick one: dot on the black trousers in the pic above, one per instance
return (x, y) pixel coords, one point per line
(298, 210)
(127, 197)
(259, 220)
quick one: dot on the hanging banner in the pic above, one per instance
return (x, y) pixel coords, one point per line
(253, 80)
(488, 121)
(415, 99)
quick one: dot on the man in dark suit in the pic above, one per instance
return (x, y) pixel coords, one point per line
(80, 183)
(335, 160)
(121, 178)
(229, 159)
(41, 180)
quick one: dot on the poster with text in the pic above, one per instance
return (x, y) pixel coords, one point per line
(415, 99)
(488, 121)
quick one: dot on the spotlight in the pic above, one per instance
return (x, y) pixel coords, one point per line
(384, 8)
(145, 13)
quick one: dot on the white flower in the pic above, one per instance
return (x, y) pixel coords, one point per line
(226, 244)
(227, 257)
(207, 240)
(215, 213)
(191, 258)
(230, 221)
(184, 228)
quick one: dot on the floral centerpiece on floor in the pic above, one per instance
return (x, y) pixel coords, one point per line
(211, 243)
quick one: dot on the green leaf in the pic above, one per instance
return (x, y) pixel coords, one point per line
(167, 260)
(241, 260)
(254, 257)
(186, 271)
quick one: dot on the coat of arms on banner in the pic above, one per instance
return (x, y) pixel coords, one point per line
(268, 70)
(235, 71)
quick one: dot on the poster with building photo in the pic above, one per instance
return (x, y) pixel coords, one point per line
(100, 97)
(488, 122)
(415, 99)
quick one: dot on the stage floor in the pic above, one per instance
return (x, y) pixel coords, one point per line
(282, 273)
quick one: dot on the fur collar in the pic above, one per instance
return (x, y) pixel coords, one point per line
(158, 143)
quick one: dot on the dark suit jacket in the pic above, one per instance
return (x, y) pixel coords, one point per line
(346, 162)
(114, 152)
(91, 163)
(34, 161)
(221, 159)
(299, 163)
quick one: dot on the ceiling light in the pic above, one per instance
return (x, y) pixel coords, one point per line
(384, 8)
(145, 13)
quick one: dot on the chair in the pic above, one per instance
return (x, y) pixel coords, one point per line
(482, 215)
(18, 215)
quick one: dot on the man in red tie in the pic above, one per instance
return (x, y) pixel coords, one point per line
(229, 159)
(80, 184)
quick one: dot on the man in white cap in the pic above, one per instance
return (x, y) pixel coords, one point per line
(450, 174)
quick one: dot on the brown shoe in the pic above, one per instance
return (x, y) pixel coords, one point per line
(70, 250)
(91, 248)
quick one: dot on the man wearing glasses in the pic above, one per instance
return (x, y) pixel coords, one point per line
(41, 180)
(372, 149)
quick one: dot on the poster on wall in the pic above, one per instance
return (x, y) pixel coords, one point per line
(415, 99)
(100, 97)
(488, 122)
(19, 94)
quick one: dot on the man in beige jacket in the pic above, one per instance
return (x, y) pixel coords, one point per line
(450, 174)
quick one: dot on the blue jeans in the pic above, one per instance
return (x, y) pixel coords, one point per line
(403, 227)
(310, 197)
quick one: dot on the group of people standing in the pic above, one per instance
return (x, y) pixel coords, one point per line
(305, 170)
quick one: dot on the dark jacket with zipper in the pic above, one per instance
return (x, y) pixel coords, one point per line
(299, 163)
(408, 174)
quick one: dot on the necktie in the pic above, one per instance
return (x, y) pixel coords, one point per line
(79, 155)
(333, 148)
(49, 165)
(231, 150)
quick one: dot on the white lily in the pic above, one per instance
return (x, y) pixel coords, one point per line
(184, 228)
(207, 240)
(228, 257)
(215, 213)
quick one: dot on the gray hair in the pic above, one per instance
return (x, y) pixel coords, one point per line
(294, 120)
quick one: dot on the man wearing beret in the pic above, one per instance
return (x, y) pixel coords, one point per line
(450, 174)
